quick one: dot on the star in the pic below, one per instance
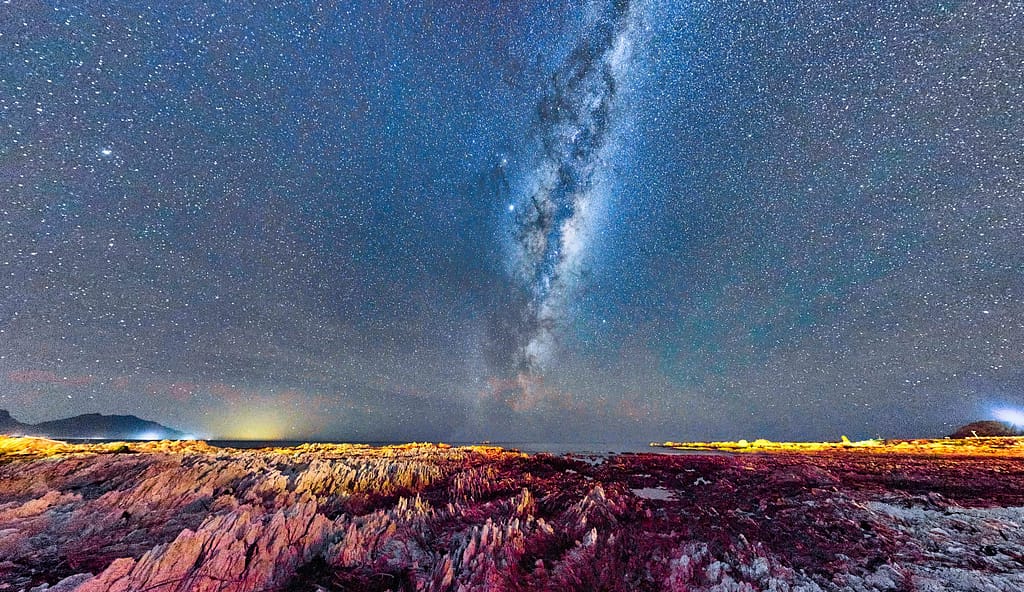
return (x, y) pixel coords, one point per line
(797, 230)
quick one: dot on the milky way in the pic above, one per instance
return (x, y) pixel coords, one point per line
(568, 219)
(554, 216)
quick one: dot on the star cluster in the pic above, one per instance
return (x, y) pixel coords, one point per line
(600, 220)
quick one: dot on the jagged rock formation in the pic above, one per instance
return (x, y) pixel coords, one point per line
(165, 517)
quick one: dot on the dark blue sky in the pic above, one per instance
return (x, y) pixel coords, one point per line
(618, 220)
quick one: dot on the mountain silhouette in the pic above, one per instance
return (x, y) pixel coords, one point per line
(988, 428)
(91, 425)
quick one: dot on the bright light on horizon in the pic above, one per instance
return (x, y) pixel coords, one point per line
(1011, 416)
(262, 423)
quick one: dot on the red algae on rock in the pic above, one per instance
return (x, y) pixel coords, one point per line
(190, 517)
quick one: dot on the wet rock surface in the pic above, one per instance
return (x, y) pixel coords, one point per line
(187, 516)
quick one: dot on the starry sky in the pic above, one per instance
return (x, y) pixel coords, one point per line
(579, 221)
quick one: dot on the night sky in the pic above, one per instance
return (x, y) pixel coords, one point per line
(533, 220)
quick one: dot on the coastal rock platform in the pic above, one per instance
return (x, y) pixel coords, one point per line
(187, 516)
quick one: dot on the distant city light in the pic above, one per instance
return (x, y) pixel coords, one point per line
(149, 436)
(1011, 416)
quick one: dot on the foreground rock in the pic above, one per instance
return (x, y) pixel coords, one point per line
(186, 516)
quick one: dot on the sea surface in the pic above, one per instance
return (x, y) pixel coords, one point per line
(555, 448)
(599, 449)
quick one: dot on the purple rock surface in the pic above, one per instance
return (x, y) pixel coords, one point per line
(168, 517)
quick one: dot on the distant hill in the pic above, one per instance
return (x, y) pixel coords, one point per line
(91, 425)
(8, 424)
(983, 429)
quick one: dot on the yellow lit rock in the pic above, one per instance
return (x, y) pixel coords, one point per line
(999, 446)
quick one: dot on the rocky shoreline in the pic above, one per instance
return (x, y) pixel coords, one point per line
(177, 516)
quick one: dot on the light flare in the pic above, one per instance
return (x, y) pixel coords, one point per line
(1010, 415)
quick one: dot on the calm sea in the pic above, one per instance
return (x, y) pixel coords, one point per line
(556, 448)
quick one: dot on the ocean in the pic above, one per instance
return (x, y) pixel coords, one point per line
(555, 448)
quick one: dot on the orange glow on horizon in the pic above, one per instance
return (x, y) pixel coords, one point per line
(254, 424)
